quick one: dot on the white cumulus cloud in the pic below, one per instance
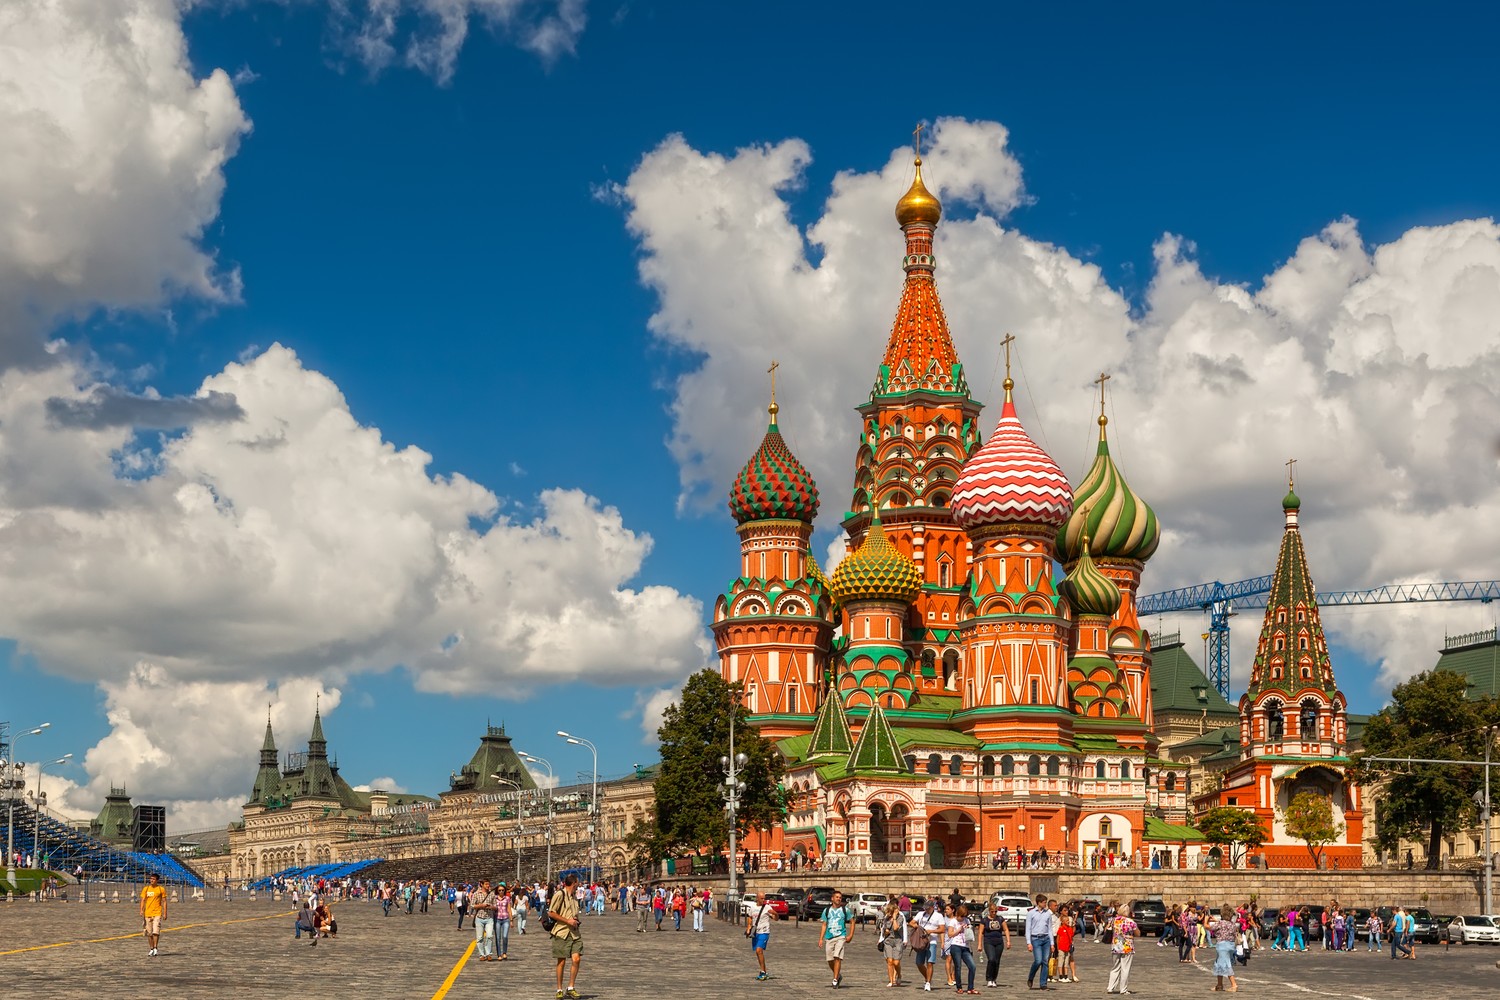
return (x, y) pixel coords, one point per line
(1376, 367)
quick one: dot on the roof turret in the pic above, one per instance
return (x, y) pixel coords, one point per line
(1292, 653)
(1108, 512)
(1088, 590)
(830, 735)
(1011, 480)
(876, 751)
(876, 571)
(773, 484)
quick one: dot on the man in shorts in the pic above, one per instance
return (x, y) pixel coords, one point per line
(838, 928)
(153, 910)
(758, 930)
(567, 941)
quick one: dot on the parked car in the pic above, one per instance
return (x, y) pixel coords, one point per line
(1310, 916)
(1013, 908)
(1425, 927)
(867, 905)
(793, 897)
(1086, 911)
(749, 906)
(1265, 921)
(818, 899)
(1444, 921)
(1150, 916)
(1360, 916)
(1473, 928)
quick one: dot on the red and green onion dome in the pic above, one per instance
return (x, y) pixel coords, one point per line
(1109, 517)
(1011, 480)
(1089, 591)
(876, 571)
(773, 485)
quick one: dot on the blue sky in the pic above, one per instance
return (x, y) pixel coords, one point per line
(462, 256)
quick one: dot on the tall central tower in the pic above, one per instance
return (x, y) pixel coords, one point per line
(918, 427)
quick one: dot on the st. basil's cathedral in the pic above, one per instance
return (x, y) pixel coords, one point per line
(944, 695)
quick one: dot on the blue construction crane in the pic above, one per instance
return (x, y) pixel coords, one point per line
(1219, 601)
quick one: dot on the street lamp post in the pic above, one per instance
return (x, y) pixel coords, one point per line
(593, 803)
(520, 815)
(551, 782)
(10, 825)
(733, 763)
(41, 797)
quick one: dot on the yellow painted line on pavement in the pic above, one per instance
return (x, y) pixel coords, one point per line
(453, 975)
(137, 934)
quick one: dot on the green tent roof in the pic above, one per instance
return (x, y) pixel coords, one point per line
(876, 751)
(830, 734)
(1479, 663)
(1174, 675)
(1160, 829)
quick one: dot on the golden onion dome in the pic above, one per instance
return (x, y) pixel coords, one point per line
(918, 204)
(876, 571)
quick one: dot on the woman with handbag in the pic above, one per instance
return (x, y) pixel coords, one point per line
(996, 939)
(960, 954)
(891, 932)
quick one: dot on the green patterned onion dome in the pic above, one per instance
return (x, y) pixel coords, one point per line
(1088, 590)
(773, 484)
(1291, 501)
(876, 571)
(1107, 511)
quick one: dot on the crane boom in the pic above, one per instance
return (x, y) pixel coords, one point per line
(1219, 601)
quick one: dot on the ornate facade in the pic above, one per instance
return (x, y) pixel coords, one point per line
(944, 694)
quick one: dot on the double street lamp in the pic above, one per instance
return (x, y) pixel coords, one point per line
(593, 803)
(520, 816)
(551, 781)
(10, 825)
(39, 801)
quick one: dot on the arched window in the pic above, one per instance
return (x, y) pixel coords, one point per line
(1034, 765)
(929, 659)
(987, 765)
(955, 764)
(1125, 769)
(934, 764)
(1054, 766)
(1171, 781)
(950, 666)
(911, 763)
(1007, 766)
(1307, 725)
(1100, 769)
(1275, 726)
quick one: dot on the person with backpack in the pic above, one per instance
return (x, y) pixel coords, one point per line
(563, 913)
(838, 928)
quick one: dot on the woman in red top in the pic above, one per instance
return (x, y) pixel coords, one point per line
(679, 908)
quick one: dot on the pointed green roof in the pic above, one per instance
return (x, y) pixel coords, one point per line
(1178, 684)
(876, 751)
(495, 766)
(830, 735)
(1293, 652)
(317, 729)
(269, 743)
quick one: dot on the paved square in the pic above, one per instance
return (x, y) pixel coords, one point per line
(245, 949)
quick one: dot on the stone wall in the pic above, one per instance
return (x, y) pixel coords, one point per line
(1441, 892)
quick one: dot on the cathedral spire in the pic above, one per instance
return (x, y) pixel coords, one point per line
(830, 735)
(317, 743)
(876, 751)
(920, 353)
(1292, 654)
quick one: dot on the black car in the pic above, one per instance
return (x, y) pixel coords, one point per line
(1425, 927)
(1265, 922)
(794, 898)
(1150, 915)
(1360, 916)
(1086, 912)
(818, 899)
(1310, 916)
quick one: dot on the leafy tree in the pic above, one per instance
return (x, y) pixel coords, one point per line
(1429, 716)
(694, 737)
(1309, 817)
(1232, 827)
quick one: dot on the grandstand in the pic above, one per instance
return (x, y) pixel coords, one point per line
(312, 873)
(65, 850)
(470, 867)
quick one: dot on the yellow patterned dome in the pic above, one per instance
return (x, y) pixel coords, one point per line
(918, 204)
(876, 571)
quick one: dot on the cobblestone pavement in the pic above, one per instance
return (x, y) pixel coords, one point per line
(245, 949)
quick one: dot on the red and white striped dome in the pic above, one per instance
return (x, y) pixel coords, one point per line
(1011, 480)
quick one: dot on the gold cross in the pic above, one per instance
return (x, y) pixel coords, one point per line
(1291, 478)
(916, 139)
(772, 372)
(1009, 339)
(1103, 378)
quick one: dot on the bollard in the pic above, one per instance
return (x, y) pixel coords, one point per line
(116, 896)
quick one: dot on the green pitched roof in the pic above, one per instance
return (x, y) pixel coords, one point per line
(1479, 663)
(830, 735)
(876, 751)
(1292, 630)
(1160, 829)
(908, 736)
(495, 766)
(1211, 741)
(1173, 678)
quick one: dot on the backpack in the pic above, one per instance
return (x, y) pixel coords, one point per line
(547, 921)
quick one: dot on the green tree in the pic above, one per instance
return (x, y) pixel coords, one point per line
(1234, 828)
(1309, 817)
(694, 737)
(1429, 716)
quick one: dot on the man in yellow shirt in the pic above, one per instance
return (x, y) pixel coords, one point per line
(153, 910)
